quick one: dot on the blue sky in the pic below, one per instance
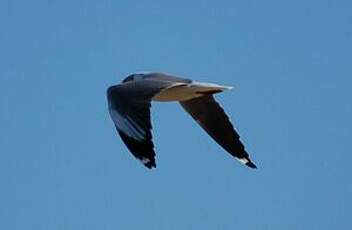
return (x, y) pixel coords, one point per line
(62, 165)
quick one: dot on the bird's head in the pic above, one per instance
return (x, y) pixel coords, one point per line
(133, 77)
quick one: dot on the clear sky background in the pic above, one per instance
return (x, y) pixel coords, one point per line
(63, 166)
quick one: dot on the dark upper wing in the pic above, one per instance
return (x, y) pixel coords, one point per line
(212, 118)
(129, 108)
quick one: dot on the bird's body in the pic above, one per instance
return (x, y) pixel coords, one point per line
(129, 107)
(187, 91)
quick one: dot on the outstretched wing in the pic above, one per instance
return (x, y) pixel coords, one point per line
(129, 108)
(212, 118)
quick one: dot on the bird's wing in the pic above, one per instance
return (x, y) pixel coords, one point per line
(212, 118)
(129, 108)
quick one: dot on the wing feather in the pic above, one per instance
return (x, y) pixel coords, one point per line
(213, 119)
(129, 108)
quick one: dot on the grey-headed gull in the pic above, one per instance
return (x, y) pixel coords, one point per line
(129, 107)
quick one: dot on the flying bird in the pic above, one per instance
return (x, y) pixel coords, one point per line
(129, 107)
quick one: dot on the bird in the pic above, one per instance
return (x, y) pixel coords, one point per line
(129, 106)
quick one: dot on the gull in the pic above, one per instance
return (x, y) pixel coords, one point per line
(129, 107)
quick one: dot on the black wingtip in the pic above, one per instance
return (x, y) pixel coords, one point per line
(251, 165)
(150, 165)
